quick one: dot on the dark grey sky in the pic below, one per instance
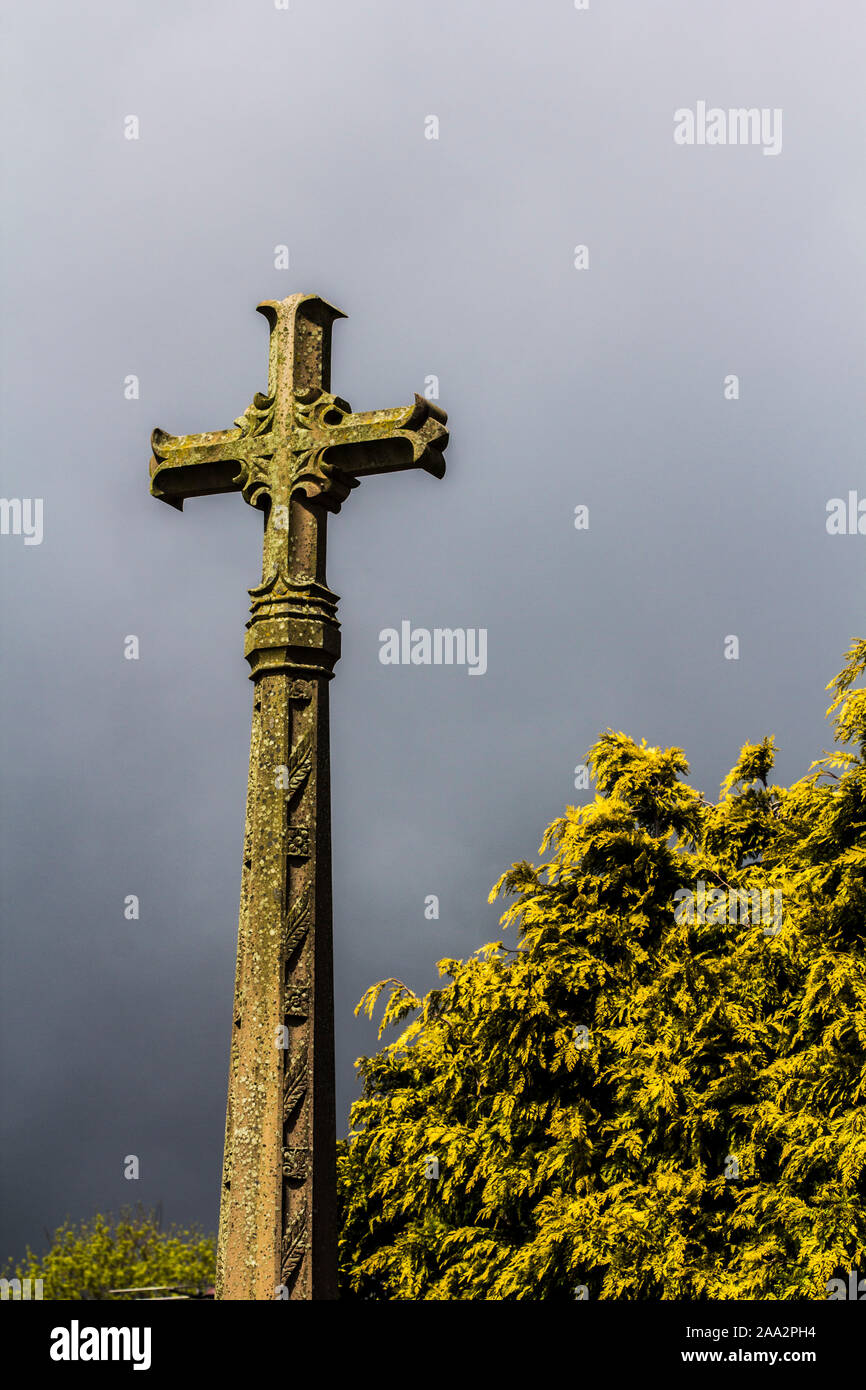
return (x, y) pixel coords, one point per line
(454, 257)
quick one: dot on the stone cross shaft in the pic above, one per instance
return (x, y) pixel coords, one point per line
(295, 453)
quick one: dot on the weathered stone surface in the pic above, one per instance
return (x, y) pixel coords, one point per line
(295, 453)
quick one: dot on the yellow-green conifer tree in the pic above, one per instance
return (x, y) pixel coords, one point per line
(658, 1091)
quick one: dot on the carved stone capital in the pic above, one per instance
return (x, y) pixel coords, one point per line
(292, 627)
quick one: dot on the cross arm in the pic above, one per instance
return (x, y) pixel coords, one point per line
(198, 465)
(336, 447)
(386, 441)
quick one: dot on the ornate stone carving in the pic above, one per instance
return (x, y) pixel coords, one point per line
(295, 1082)
(297, 1002)
(298, 841)
(316, 415)
(300, 763)
(295, 1244)
(296, 1162)
(258, 418)
(297, 922)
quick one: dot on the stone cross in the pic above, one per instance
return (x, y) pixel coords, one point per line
(295, 453)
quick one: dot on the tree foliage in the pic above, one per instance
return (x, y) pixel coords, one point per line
(635, 1101)
(87, 1260)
